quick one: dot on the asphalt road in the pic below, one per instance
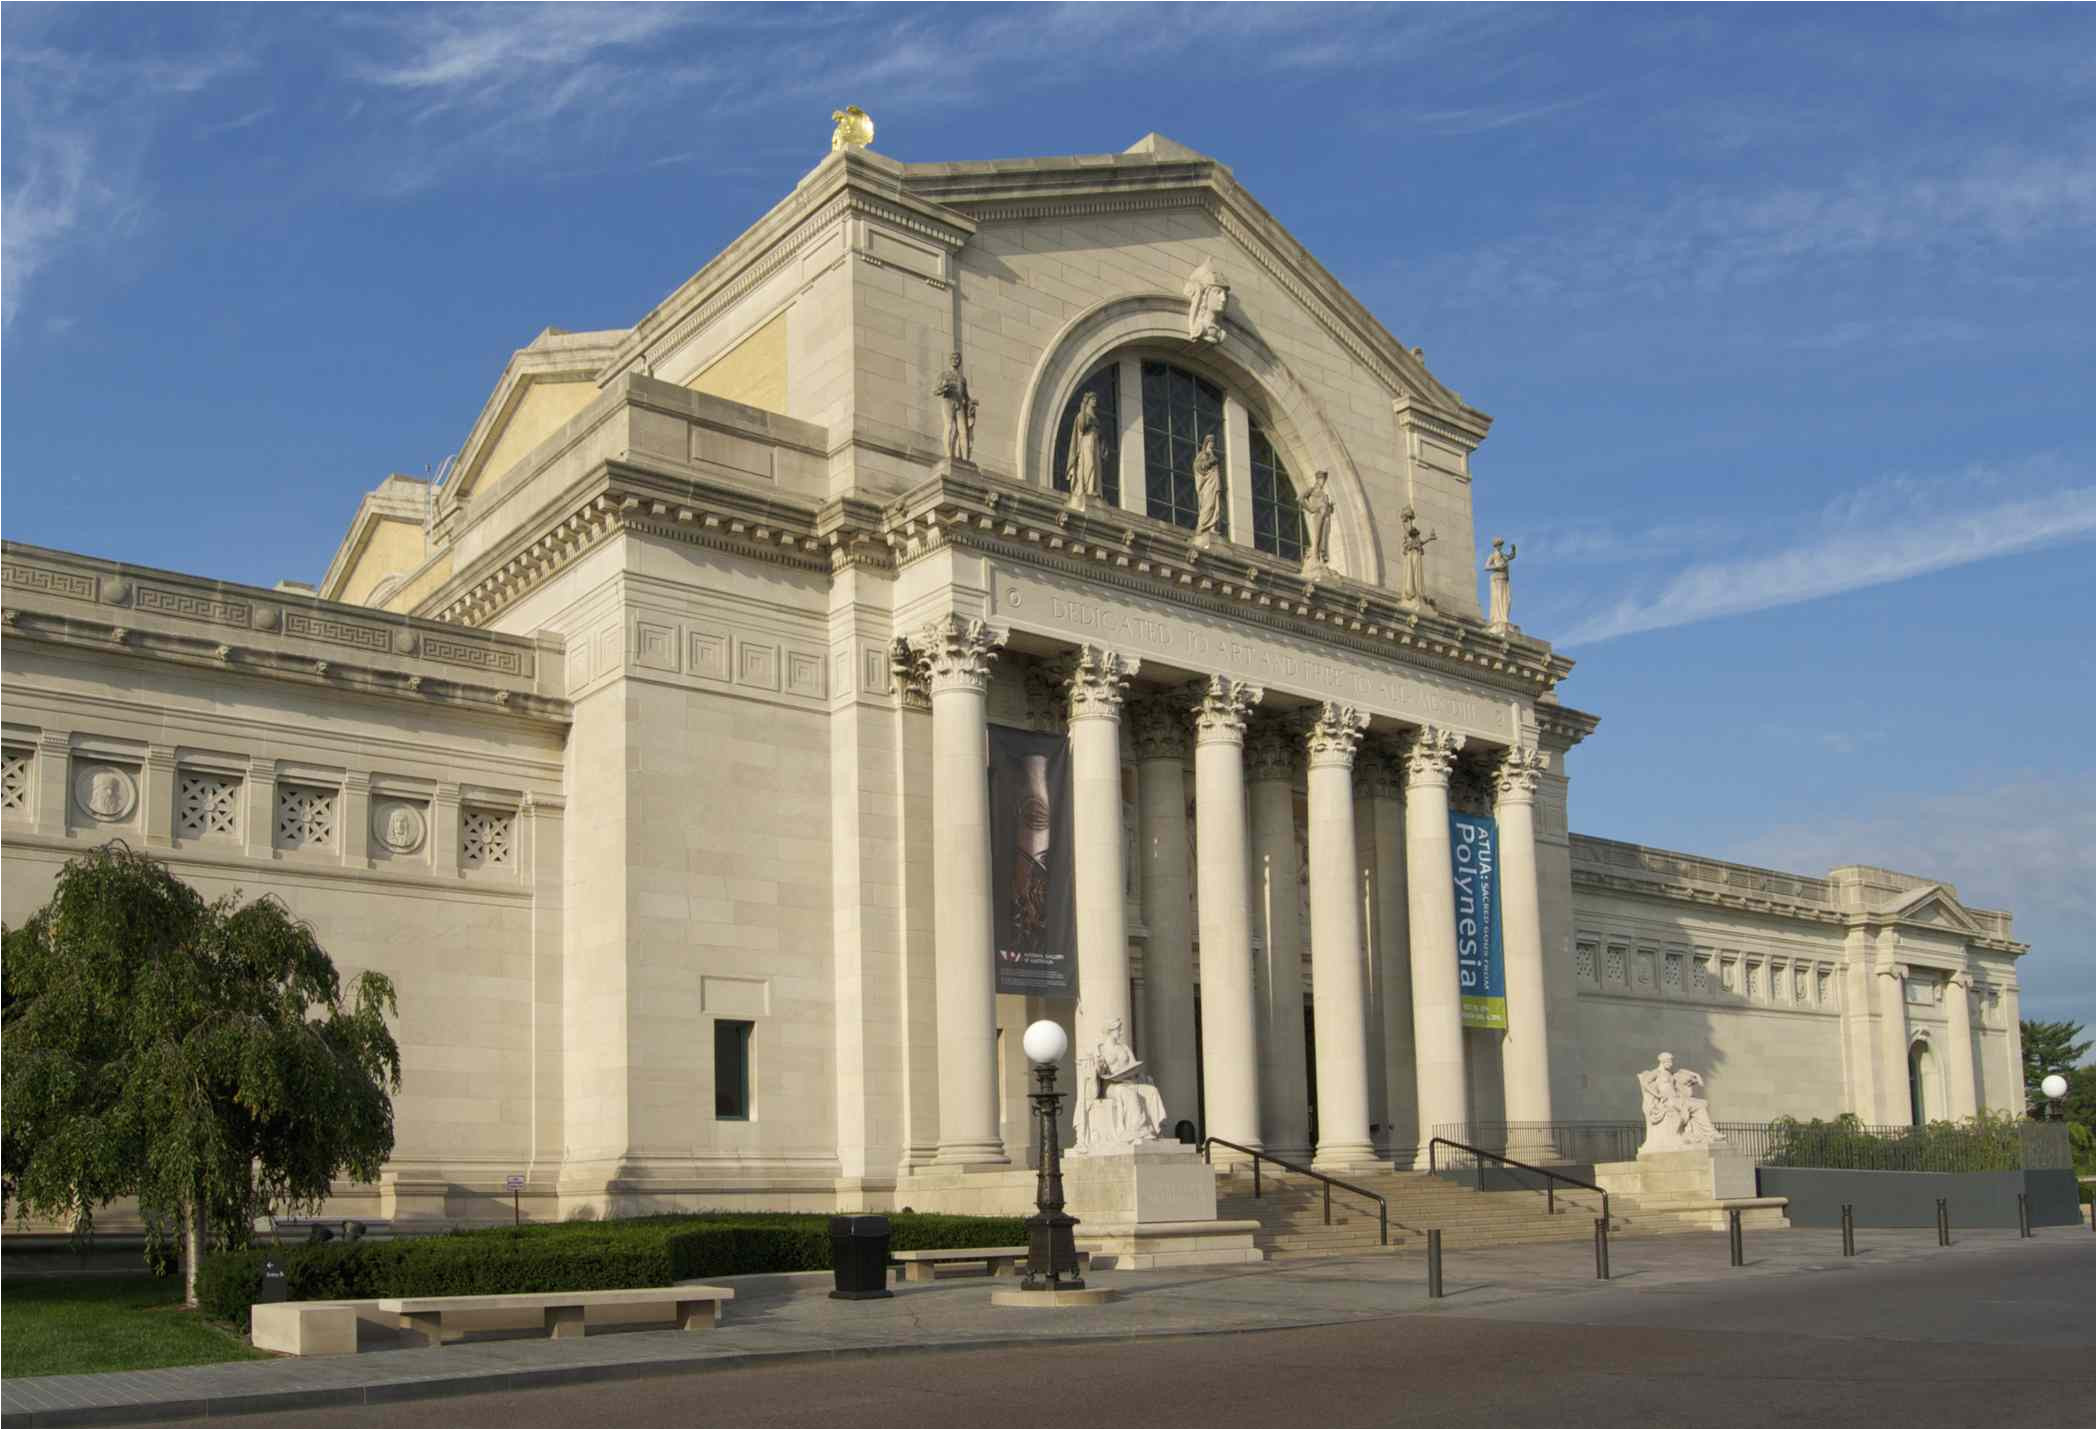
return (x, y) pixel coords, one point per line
(1997, 1339)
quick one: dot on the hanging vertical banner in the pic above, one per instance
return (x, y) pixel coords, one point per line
(1032, 886)
(1474, 865)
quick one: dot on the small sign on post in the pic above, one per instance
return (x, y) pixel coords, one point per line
(515, 1183)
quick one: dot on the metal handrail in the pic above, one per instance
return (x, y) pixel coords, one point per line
(1550, 1185)
(1383, 1208)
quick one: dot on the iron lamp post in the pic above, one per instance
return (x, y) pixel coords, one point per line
(2055, 1087)
(1052, 1253)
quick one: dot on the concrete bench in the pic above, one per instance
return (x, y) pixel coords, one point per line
(998, 1260)
(696, 1308)
(305, 1328)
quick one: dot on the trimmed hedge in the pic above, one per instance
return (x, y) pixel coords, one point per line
(567, 1256)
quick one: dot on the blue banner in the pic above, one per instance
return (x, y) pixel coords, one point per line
(1474, 865)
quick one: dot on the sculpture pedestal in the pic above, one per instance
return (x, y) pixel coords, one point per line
(1695, 1188)
(1153, 1205)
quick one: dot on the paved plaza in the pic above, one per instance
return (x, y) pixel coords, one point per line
(1993, 1330)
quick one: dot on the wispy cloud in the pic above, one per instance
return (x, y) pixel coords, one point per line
(1886, 532)
(56, 188)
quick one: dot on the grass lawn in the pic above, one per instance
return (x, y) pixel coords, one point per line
(67, 1325)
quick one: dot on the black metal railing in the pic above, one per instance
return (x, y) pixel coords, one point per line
(2004, 1146)
(1383, 1208)
(1481, 1156)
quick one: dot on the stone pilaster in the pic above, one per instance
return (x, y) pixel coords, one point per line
(1525, 1062)
(1962, 1089)
(1229, 1019)
(1271, 759)
(1160, 727)
(955, 656)
(1438, 1031)
(1890, 981)
(1097, 680)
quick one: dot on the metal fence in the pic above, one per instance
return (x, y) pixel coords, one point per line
(1999, 1146)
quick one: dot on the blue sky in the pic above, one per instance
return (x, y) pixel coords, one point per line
(1784, 315)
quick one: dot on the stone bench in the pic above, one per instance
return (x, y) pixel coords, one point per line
(998, 1260)
(696, 1308)
(305, 1328)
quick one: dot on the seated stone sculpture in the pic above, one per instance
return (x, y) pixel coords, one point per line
(1676, 1119)
(1118, 1105)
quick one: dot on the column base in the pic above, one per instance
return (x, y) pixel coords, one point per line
(972, 1157)
(1341, 1158)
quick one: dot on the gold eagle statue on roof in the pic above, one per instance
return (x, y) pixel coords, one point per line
(854, 130)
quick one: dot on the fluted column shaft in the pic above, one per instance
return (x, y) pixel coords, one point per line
(1338, 988)
(1097, 679)
(1229, 1021)
(1525, 1061)
(1270, 760)
(1891, 980)
(1438, 1029)
(1962, 1090)
(954, 656)
(1393, 962)
(1168, 1046)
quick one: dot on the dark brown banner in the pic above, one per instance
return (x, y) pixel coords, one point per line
(1031, 885)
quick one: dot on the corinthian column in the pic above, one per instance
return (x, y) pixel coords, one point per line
(1229, 1022)
(1383, 782)
(1525, 1063)
(1168, 959)
(954, 656)
(1339, 990)
(1270, 769)
(1097, 679)
(1438, 1026)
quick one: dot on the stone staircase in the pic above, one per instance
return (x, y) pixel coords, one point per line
(1290, 1212)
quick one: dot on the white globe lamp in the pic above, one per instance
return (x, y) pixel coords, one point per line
(2054, 1086)
(1046, 1042)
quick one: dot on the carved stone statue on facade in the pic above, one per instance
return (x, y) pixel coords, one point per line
(1208, 491)
(952, 388)
(1087, 452)
(1496, 573)
(1118, 1105)
(1415, 588)
(1676, 1119)
(1207, 295)
(1316, 505)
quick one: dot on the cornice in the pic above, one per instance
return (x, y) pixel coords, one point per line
(1016, 522)
(1560, 727)
(117, 611)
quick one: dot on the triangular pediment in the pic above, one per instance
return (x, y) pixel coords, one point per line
(1931, 906)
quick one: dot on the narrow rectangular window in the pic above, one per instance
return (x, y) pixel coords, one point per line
(732, 1070)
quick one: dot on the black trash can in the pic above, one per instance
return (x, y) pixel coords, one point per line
(859, 1257)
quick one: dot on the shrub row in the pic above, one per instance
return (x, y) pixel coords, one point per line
(568, 1256)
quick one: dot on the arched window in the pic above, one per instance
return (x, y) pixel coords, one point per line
(1105, 385)
(1179, 410)
(1277, 521)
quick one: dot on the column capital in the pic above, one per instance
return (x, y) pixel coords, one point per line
(1889, 969)
(1516, 773)
(1160, 728)
(1270, 752)
(1430, 754)
(907, 669)
(1332, 735)
(1220, 707)
(1098, 678)
(956, 652)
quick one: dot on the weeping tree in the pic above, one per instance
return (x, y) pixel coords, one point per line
(202, 1057)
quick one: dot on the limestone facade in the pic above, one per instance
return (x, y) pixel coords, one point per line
(667, 709)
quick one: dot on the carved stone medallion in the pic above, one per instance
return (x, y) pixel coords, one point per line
(106, 792)
(401, 828)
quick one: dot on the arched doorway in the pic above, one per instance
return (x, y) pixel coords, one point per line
(1922, 1077)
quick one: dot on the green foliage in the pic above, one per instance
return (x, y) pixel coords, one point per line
(1987, 1142)
(569, 1256)
(77, 1325)
(195, 1055)
(2058, 1047)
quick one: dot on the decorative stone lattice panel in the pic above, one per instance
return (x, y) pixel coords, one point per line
(1584, 962)
(15, 765)
(1671, 973)
(1776, 982)
(1642, 969)
(1821, 990)
(206, 805)
(1615, 966)
(1700, 976)
(487, 838)
(1728, 975)
(1753, 986)
(306, 816)
(1798, 986)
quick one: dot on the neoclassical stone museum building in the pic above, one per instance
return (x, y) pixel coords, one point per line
(647, 750)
